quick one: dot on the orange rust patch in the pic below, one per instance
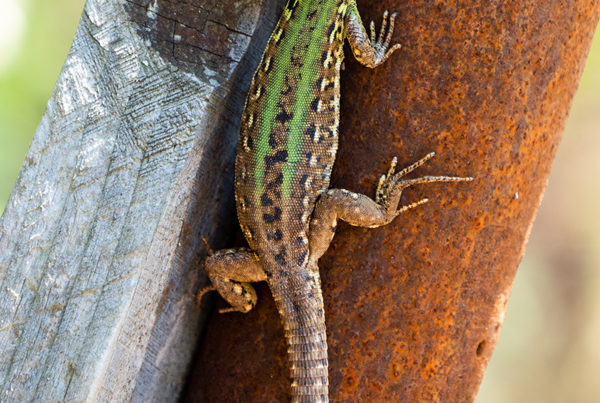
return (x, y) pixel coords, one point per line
(413, 309)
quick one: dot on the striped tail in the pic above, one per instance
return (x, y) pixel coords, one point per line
(300, 303)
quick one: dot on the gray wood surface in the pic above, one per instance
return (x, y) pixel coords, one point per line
(131, 163)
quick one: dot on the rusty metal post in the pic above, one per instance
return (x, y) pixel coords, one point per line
(414, 309)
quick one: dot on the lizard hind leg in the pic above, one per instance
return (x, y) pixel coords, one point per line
(231, 271)
(360, 210)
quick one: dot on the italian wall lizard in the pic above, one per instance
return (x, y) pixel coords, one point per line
(286, 150)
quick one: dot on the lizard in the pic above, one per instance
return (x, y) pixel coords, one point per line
(286, 150)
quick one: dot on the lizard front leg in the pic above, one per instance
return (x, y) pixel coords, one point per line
(360, 210)
(369, 51)
(230, 272)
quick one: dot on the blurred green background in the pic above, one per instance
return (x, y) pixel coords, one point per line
(548, 349)
(35, 36)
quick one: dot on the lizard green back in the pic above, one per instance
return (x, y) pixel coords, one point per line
(289, 134)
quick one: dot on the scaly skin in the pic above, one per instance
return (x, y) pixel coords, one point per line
(286, 150)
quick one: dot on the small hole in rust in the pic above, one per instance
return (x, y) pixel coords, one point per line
(480, 348)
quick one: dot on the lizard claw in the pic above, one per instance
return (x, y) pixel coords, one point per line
(208, 248)
(203, 291)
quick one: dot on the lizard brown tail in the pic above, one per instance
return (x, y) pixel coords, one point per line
(301, 309)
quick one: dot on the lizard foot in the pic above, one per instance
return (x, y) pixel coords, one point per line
(380, 44)
(230, 272)
(391, 185)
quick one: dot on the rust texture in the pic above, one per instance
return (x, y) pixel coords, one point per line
(414, 309)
